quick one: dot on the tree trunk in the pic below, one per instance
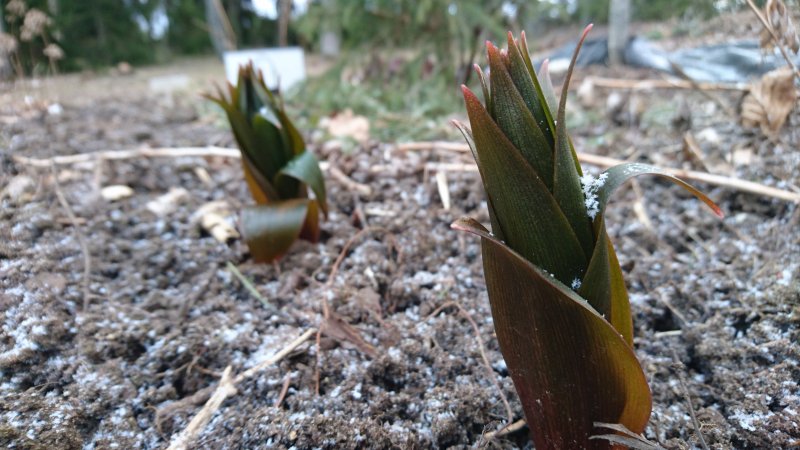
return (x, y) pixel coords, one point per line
(6, 71)
(219, 27)
(619, 18)
(283, 22)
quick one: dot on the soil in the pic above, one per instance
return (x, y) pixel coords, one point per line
(716, 302)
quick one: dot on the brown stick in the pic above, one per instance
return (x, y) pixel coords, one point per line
(596, 160)
(224, 390)
(678, 369)
(87, 258)
(510, 428)
(717, 180)
(672, 83)
(486, 363)
(439, 145)
(227, 388)
(129, 154)
(349, 183)
(605, 161)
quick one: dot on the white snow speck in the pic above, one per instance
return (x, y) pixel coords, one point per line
(590, 186)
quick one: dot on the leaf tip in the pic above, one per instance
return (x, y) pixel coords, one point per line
(469, 96)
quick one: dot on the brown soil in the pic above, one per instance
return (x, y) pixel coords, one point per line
(165, 316)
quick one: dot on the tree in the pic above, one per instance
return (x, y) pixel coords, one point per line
(222, 35)
(619, 17)
(284, 14)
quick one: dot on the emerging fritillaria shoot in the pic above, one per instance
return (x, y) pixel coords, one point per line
(277, 167)
(558, 299)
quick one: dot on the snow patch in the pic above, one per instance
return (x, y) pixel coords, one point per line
(590, 186)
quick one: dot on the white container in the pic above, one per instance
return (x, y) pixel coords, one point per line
(283, 67)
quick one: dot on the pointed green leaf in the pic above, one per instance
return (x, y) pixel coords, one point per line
(496, 229)
(269, 230)
(487, 97)
(304, 168)
(604, 287)
(521, 77)
(570, 367)
(614, 177)
(603, 284)
(620, 314)
(515, 119)
(261, 189)
(548, 101)
(266, 152)
(566, 184)
(529, 217)
(294, 138)
(546, 83)
(311, 230)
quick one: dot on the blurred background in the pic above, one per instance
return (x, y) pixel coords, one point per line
(392, 60)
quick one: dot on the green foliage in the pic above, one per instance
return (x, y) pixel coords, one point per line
(648, 10)
(101, 33)
(277, 168)
(449, 32)
(559, 302)
(187, 33)
(400, 59)
(401, 99)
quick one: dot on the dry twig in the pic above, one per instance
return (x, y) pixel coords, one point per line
(326, 312)
(349, 183)
(648, 85)
(775, 38)
(227, 388)
(481, 349)
(508, 429)
(444, 189)
(224, 390)
(682, 381)
(87, 258)
(129, 154)
(605, 161)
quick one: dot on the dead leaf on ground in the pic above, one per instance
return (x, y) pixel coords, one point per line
(770, 101)
(213, 218)
(347, 125)
(19, 189)
(116, 192)
(167, 203)
(342, 331)
(777, 15)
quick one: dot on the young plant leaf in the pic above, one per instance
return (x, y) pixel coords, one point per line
(487, 97)
(269, 230)
(570, 367)
(260, 189)
(529, 92)
(305, 168)
(277, 168)
(616, 176)
(311, 230)
(549, 102)
(528, 215)
(566, 184)
(604, 288)
(266, 142)
(516, 120)
(546, 83)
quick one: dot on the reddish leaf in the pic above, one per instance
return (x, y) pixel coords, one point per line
(269, 230)
(570, 367)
